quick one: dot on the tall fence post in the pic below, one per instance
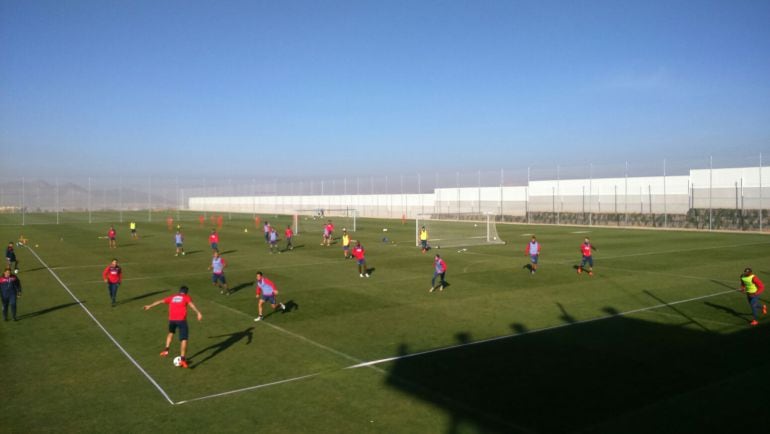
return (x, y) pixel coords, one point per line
(625, 198)
(711, 187)
(89, 200)
(665, 210)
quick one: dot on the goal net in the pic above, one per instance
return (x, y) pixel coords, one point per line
(477, 230)
(313, 220)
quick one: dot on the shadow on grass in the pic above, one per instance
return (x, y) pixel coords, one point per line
(229, 251)
(618, 374)
(290, 306)
(731, 311)
(48, 310)
(216, 348)
(141, 296)
(192, 252)
(240, 286)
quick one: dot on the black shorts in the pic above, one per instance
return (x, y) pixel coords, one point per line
(183, 331)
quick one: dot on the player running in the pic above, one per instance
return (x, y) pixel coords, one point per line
(10, 258)
(177, 319)
(113, 276)
(358, 253)
(217, 267)
(533, 250)
(266, 230)
(273, 241)
(179, 241)
(753, 287)
(266, 291)
(439, 270)
(10, 289)
(586, 248)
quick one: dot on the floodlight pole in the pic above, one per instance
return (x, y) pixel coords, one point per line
(89, 200)
(149, 198)
(23, 198)
(590, 192)
(665, 210)
(625, 198)
(711, 186)
(57, 200)
(760, 193)
(120, 198)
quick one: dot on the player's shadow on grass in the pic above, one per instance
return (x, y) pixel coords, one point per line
(240, 286)
(141, 296)
(229, 251)
(370, 271)
(618, 374)
(298, 246)
(290, 306)
(192, 252)
(731, 311)
(214, 349)
(35, 269)
(48, 310)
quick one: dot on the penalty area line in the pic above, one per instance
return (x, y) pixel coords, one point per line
(114, 341)
(246, 389)
(530, 332)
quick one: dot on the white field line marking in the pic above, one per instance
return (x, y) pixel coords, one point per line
(556, 327)
(246, 389)
(114, 341)
(676, 315)
(580, 232)
(300, 337)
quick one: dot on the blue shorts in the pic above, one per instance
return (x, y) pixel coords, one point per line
(269, 298)
(588, 259)
(182, 325)
(533, 258)
(179, 244)
(424, 244)
(218, 278)
(345, 247)
(361, 261)
(214, 246)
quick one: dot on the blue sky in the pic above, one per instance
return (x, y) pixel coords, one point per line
(313, 88)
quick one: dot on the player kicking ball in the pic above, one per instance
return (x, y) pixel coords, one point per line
(266, 291)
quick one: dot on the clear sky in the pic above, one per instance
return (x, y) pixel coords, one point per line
(305, 88)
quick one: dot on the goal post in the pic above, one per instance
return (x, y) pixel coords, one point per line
(475, 230)
(306, 219)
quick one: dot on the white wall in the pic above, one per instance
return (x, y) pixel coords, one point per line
(738, 187)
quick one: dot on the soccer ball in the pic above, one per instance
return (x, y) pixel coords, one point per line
(494, 238)
(384, 229)
(245, 229)
(178, 361)
(37, 245)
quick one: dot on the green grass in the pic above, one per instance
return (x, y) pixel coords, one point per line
(610, 353)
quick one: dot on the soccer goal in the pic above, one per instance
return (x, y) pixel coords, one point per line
(308, 220)
(477, 230)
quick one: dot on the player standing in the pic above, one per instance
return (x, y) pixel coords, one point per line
(111, 236)
(170, 223)
(113, 276)
(10, 258)
(177, 319)
(358, 253)
(201, 220)
(10, 290)
(132, 226)
(179, 241)
(214, 240)
(326, 240)
(586, 248)
(266, 230)
(753, 287)
(439, 270)
(266, 291)
(217, 267)
(424, 239)
(289, 234)
(345, 243)
(533, 250)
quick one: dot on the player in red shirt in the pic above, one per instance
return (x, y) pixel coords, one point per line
(111, 235)
(170, 223)
(219, 222)
(586, 249)
(113, 276)
(177, 318)
(214, 240)
(358, 253)
(288, 233)
(201, 219)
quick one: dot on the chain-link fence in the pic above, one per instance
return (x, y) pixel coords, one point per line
(706, 193)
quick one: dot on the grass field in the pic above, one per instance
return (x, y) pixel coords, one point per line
(656, 341)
